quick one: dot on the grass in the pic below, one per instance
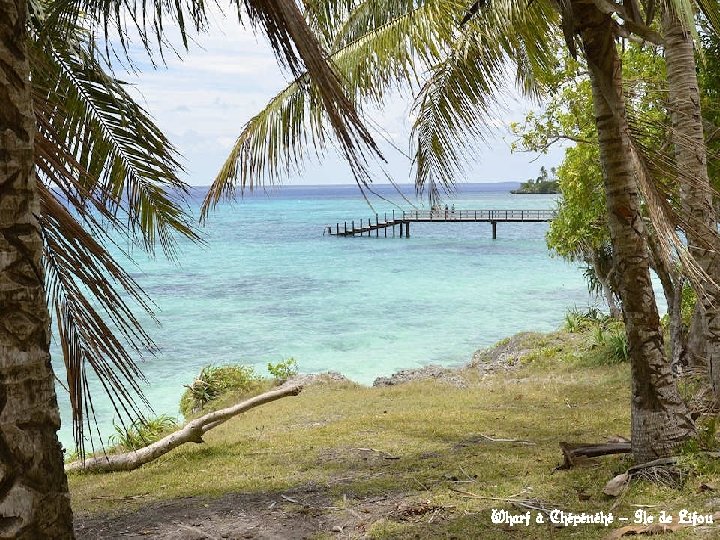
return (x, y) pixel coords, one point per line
(338, 438)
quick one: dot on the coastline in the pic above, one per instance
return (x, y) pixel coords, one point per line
(505, 355)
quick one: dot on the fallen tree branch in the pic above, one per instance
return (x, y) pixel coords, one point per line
(574, 452)
(191, 432)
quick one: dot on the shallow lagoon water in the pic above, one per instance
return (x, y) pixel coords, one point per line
(268, 285)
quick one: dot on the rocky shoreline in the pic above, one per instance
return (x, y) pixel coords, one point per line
(503, 356)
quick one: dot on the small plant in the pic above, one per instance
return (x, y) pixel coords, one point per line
(141, 432)
(617, 341)
(695, 451)
(577, 321)
(573, 322)
(691, 388)
(688, 303)
(284, 370)
(214, 381)
(599, 337)
(610, 343)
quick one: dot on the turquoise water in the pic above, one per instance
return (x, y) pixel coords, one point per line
(268, 285)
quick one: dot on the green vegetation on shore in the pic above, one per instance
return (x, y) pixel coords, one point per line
(541, 185)
(425, 459)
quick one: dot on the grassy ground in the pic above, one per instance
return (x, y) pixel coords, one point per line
(417, 460)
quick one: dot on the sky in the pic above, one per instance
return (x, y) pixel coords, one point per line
(203, 98)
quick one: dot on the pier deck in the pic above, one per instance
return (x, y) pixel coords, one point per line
(404, 219)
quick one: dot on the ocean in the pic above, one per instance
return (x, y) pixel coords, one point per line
(268, 285)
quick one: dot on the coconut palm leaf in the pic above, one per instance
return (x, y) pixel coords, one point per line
(456, 105)
(711, 11)
(397, 45)
(282, 21)
(122, 159)
(322, 17)
(106, 173)
(96, 326)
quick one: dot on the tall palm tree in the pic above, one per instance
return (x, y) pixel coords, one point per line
(34, 501)
(691, 162)
(659, 417)
(466, 76)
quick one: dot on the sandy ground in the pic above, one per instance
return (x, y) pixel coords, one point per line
(296, 514)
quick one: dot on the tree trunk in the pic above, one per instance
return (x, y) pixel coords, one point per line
(672, 284)
(602, 265)
(660, 422)
(696, 354)
(34, 500)
(695, 189)
(678, 334)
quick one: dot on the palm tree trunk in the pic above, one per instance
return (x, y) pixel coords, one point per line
(697, 355)
(672, 283)
(34, 500)
(691, 160)
(602, 265)
(660, 422)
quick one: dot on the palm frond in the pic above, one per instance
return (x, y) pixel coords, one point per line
(367, 16)
(392, 51)
(323, 17)
(281, 21)
(107, 175)
(684, 10)
(711, 11)
(123, 161)
(97, 327)
(298, 48)
(455, 107)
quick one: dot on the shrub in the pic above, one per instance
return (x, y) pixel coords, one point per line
(617, 342)
(707, 433)
(610, 344)
(573, 322)
(141, 432)
(577, 321)
(284, 370)
(213, 382)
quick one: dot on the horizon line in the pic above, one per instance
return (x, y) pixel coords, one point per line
(409, 184)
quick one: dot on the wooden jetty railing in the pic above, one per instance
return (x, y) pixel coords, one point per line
(404, 219)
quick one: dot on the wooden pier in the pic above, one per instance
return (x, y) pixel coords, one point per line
(403, 220)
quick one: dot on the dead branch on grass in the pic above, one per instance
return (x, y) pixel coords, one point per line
(193, 431)
(576, 452)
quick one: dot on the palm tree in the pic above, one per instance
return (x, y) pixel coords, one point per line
(92, 176)
(466, 75)
(691, 163)
(659, 416)
(34, 501)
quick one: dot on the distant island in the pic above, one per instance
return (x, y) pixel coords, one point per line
(541, 185)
